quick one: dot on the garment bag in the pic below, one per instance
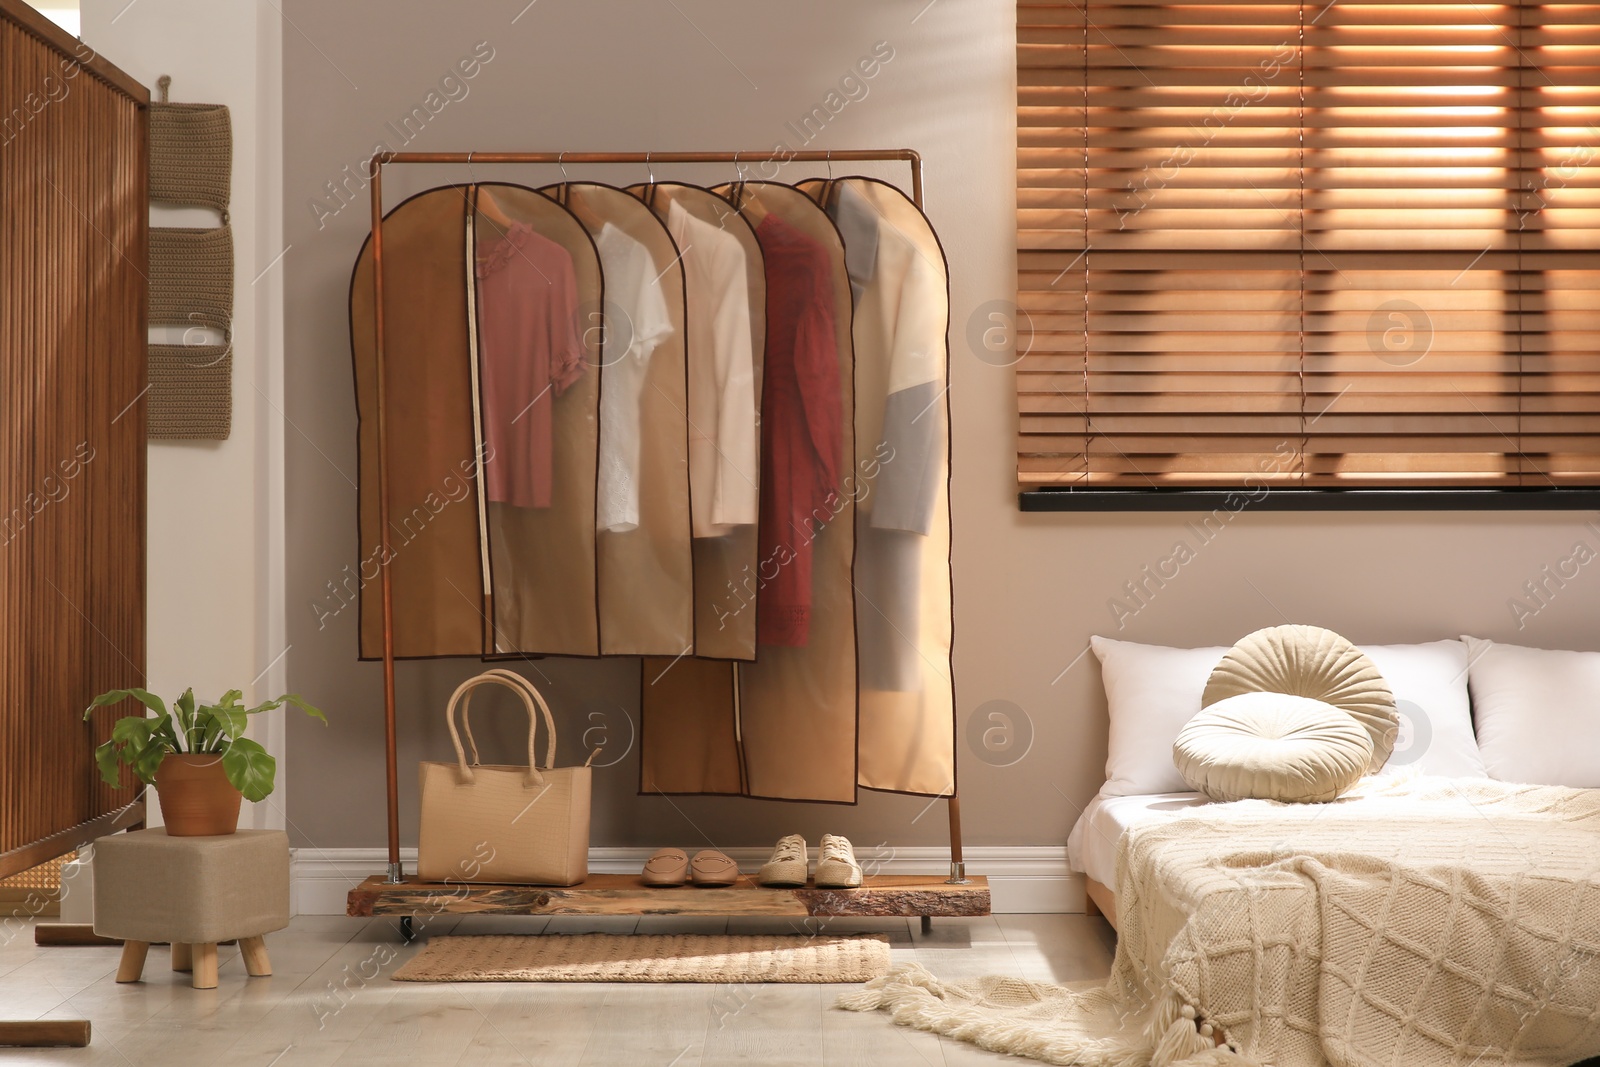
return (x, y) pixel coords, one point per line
(791, 722)
(797, 702)
(688, 726)
(432, 465)
(644, 561)
(536, 289)
(902, 569)
(726, 332)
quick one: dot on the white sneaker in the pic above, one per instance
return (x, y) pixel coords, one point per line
(836, 864)
(787, 867)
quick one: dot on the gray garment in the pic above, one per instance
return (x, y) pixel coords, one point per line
(858, 227)
(908, 484)
(889, 587)
(900, 508)
(913, 419)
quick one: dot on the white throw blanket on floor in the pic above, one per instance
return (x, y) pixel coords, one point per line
(1412, 923)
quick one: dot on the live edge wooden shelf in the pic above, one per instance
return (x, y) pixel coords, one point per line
(625, 894)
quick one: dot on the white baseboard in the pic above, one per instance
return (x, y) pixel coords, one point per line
(1022, 878)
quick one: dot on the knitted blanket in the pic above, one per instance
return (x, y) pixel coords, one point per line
(1412, 923)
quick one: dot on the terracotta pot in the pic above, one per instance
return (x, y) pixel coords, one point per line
(197, 800)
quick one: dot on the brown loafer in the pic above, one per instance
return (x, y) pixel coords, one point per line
(711, 869)
(667, 867)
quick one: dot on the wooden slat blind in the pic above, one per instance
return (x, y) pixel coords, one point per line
(73, 182)
(1346, 244)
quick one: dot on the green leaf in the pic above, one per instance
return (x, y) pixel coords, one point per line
(249, 768)
(117, 696)
(292, 698)
(163, 735)
(208, 730)
(140, 742)
(146, 763)
(133, 731)
(185, 717)
(218, 724)
(287, 698)
(110, 764)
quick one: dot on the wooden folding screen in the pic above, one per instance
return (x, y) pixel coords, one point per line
(73, 294)
(1322, 243)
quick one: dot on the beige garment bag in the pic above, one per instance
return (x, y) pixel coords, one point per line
(432, 465)
(536, 283)
(784, 726)
(643, 549)
(902, 575)
(516, 824)
(725, 346)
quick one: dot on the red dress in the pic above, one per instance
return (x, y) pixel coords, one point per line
(801, 427)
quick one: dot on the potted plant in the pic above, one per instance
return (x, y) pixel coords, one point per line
(196, 756)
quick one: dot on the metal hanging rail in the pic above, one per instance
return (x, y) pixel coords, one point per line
(889, 155)
(375, 171)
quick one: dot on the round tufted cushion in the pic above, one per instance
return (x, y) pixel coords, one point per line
(1272, 746)
(1309, 661)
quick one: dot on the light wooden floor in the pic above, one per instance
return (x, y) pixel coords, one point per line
(330, 1001)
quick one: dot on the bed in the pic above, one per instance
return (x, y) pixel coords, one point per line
(1443, 913)
(1092, 846)
(1417, 921)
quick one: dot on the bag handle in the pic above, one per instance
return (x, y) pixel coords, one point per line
(520, 684)
(530, 696)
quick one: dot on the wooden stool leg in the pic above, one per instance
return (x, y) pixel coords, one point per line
(205, 966)
(182, 957)
(254, 951)
(132, 965)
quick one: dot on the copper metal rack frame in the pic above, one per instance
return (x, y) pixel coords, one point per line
(375, 171)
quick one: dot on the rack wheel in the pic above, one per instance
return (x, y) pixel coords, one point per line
(408, 933)
(927, 924)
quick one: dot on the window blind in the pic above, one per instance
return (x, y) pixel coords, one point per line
(1334, 244)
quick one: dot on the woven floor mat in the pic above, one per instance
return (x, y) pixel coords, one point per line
(649, 958)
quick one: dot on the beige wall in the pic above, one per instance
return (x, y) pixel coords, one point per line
(1030, 589)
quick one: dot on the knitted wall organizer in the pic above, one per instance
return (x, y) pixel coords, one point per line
(191, 272)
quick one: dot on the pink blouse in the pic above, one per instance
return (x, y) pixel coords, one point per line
(529, 352)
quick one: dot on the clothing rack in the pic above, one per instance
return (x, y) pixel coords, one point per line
(395, 874)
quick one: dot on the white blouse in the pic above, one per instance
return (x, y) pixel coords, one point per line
(636, 321)
(724, 449)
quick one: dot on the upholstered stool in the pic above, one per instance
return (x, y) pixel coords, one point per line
(191, 892)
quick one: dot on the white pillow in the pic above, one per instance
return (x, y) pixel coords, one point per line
(1273, 746)
(1538, 713)
(1430, 693)
(1151, 691)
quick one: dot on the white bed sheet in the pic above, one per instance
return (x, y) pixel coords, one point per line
(1092, 845)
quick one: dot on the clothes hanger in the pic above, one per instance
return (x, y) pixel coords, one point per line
(651, 190)
(489, 209)
(749, 202)
(484, 204)
(575, 202)
(822, 188)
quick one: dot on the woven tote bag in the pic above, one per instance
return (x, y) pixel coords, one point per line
(509, 824)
